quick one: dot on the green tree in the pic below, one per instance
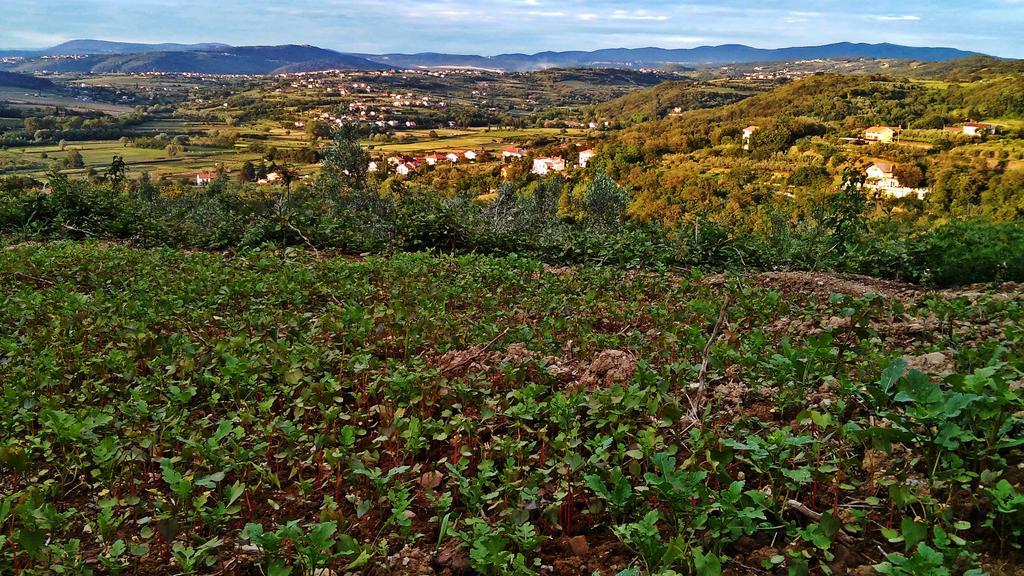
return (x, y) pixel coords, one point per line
(248, 173)
(116, 173)
(346, 163)
(605, 203)
(74, 159)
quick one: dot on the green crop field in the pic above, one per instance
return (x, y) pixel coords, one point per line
(490, 414)
(21, 97)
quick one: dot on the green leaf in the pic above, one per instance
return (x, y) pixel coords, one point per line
(706, 564)
(913, 532)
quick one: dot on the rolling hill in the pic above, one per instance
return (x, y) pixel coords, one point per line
(661, 57)
(104, 56)
(15, 80)
(667, 97)
(232, 60)
(83, 47)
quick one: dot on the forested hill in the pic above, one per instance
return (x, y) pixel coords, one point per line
(238, 60)
(671, 98)
(844, 102)
(24, 81)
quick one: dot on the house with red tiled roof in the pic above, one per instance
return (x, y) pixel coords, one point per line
(542, 166)
(513, 152)
(883, 134)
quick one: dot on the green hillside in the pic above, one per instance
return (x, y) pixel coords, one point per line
(665, 98)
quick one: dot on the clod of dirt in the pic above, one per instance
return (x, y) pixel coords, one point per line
(431, 480)
(931, 363)
(577, 545)
(731, 394)
(517, 354)
(452, 557)
(607, 368)
(410, 561)
(876, 464)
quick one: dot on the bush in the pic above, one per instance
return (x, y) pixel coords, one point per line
(968, 251)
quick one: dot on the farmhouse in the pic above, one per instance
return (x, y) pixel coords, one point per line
(882, 178)
(585, 157)
(270, 178)
(469, 155)
(454, 156)
(433, 159)
(513, 152)
(204, 178)
(978, 128)
(881, 134)
(373, 166)
(406, 168)
(542, 166)
(748, 133)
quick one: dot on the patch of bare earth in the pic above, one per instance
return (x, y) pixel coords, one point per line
(605, 369)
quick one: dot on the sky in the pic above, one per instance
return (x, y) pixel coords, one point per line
(491, 27)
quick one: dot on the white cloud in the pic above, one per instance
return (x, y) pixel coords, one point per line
(906, 18)
(637, 15)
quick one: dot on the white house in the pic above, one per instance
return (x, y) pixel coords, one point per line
(373, 167)
(542, 166)
(453, 157)
(881, 133)
(978, 128)
(433, 159)
(406, 168)
(880, 175)
(585, 157)
(882, 178)
(513, 152)
(204, 178)
(748, 133)
(469, 155)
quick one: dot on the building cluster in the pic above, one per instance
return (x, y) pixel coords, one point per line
(541, 166)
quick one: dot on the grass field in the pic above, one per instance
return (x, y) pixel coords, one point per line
(472, 139)
(98, 154)
(34, 98)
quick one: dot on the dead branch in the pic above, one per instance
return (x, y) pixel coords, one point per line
(304, 239)
(802, 508)
(700, 388)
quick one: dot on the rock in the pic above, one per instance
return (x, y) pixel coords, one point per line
(932, 363)
(609, 367)
(578, 545)
(410, 561)
(452, 556)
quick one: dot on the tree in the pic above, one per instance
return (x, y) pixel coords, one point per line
(74, 159)
(116, 173)
(346, 163)
(248, 173)
(909, 175)
(605, 202)
(146, 189)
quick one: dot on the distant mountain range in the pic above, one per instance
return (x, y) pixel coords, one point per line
(661, 57)
(105, 57)
(227, 60)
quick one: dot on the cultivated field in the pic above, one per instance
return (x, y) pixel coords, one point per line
(421, 414)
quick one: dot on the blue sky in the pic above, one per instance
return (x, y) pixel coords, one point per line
(499, 26)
